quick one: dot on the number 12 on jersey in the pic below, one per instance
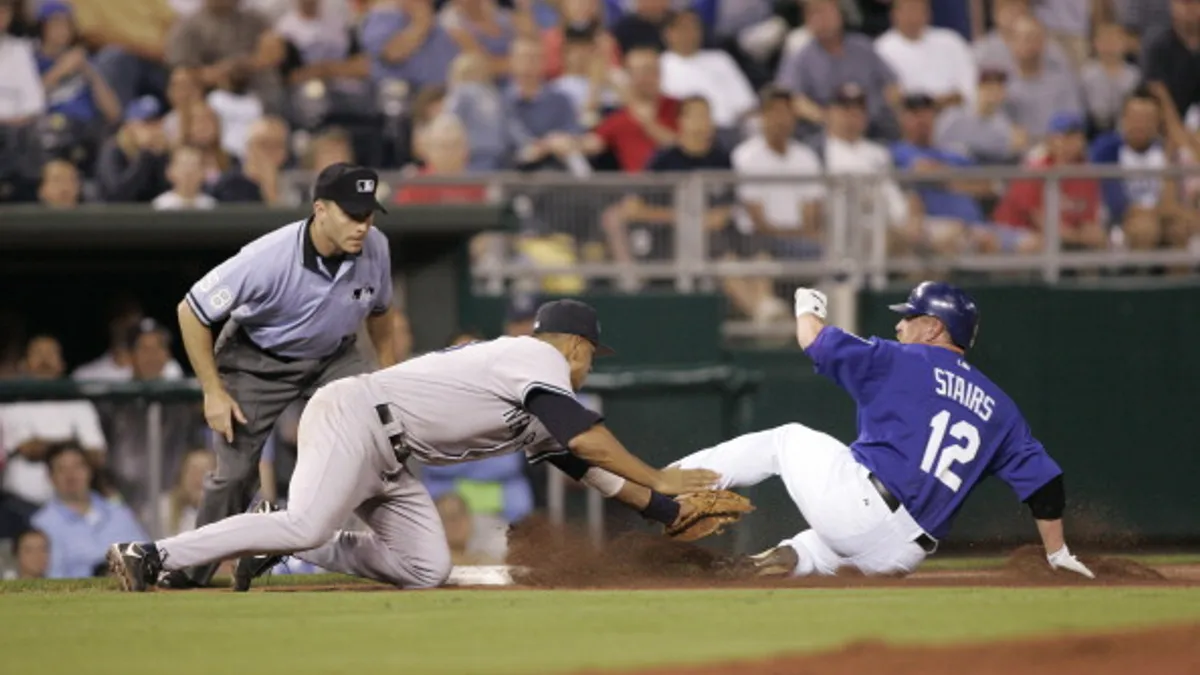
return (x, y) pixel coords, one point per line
(962, 452)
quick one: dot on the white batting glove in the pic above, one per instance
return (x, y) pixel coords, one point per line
(810, 301)
(1063, 560)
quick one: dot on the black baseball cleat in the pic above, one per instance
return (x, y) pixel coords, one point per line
(177, 580)
(252, 567)
(137, 565)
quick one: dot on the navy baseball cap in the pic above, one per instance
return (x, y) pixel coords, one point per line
(143, 108)
(52, 8)
(919, 101)
(1067, 123)
(351, 187)
(850, 94)
(145, 326)
(571, 317)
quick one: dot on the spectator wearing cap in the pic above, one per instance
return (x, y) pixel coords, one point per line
(833, 58)
(78, 522)
(935, 61)
(787, 214)
(32, 427)
(1146, 207)
(185, 172)
(220, 39)
(1080, 213)
(75, 89)
(1037, 92)
(1172, 57)
(845, 149)
(298, 297)
(1108, 78)
(690, 70)
(409, 48)
(257, 179)
(952, 217)
(982, 131)
(132, 164)
(60, 185)
(646, 122)
(148, 344)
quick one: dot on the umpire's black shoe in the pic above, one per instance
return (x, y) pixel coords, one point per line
(252, 567)
(136, 565)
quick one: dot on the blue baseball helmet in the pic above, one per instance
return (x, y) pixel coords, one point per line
(947, 303)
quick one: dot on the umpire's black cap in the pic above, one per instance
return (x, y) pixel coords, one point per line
(571, 317)
(351, 187)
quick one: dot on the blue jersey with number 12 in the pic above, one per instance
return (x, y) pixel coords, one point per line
(930, 426)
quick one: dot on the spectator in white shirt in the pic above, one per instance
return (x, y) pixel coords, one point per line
(788, 214)
(927, 59)
(30, 428)
(688, 70)
(185, 172)
(22, 98)
(846, 150)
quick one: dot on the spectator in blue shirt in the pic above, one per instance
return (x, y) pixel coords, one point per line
(1146, 207)
(79, 523)
(74, 88)
(407, 44)
(954, 220)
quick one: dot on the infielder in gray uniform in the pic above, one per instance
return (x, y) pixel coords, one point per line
(512, 394)
(294, 299)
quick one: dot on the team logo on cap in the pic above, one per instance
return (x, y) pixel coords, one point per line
(366, 186)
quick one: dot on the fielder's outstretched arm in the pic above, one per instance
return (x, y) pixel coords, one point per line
(579, 430)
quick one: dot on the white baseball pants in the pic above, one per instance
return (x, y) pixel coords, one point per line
(849, 523)
(341, 460)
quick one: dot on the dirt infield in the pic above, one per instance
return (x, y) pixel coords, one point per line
(1164, 651)
(554, 558)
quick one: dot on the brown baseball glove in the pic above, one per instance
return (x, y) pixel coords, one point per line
(707, 513)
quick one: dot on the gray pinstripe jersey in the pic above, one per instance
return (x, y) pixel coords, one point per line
(468, 402)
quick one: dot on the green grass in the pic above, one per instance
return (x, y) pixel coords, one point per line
(524, 632)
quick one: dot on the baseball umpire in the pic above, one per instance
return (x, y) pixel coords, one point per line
(294, 300)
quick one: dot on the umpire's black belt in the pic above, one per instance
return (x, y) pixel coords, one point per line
(925, 541)
(245, 338)
(396, 440)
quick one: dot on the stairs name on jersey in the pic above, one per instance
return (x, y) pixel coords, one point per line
(965, 393)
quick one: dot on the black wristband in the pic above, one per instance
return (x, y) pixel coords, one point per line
(661, 508)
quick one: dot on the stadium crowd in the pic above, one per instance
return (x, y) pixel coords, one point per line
(191, 104)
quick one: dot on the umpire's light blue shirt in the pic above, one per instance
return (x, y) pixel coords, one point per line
(279, 291)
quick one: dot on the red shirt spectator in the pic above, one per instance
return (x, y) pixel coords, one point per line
(1079, 201)
(628, 138)
(1022, 204)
